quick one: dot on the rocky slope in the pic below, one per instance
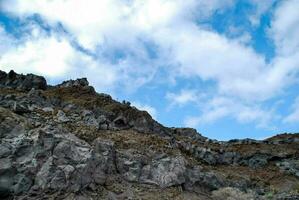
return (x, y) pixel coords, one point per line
(69, 142)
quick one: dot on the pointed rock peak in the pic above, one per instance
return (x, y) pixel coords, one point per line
(23, 82)
(78, 82)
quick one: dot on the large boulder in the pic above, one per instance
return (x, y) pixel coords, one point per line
(165, 172)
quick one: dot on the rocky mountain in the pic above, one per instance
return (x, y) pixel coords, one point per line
(69, 142)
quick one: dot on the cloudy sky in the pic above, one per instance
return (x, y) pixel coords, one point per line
(228, 68)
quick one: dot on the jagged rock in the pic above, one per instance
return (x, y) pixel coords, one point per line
(78, 82)
(11, 125)
(165, 172)
(6, 173)
(23, 82)
(130, 165)
(207, 181)
(258, 161)
(66, 141)
(289, 167)
(5, 150)
(90, 119)
(104, 151)
(229, 158)
(190, 133)
(48, 109)
(20, 108)
(244, 141)
(200, 153)
(22, 184)
(61, 117)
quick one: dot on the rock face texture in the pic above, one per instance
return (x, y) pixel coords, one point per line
(69, 142)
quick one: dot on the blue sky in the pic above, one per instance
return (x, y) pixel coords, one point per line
(228, 68)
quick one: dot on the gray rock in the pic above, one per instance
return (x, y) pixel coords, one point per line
(68, 152)
(104, 152)
(196, 177)
(78, 82)
(190, 133)
(20, 108)
(5, 164)
(23, 82)
(50, 176)
(130, 165)
(89, 118)
(229, 158)
(258, 161)
(165, 172)
(206, 155)
(22, 184)
(119, 123)
(5, 186)
(5, 150)
(61, 117)
(6, 177)
(48, 109)
(289, 167)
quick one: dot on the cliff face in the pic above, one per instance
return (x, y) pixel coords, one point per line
(69, 142)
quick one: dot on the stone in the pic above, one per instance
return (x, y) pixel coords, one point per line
(33, 81)
(34, 93)
(23, 82)
(48, 109)
(20, 109)
(232, 194)
(229, 158)
(190, 133)
(5, 164)
(130, 165)
(6, 177)
(165, 172)
(104, 151)
(289, 167)
(70, 152)
(22, 184)
(61, 117)
(97, 148)
(257, 161)
(89, 119)
(208, 181)
(120, 123)
(49, 176)
(5, 150)
(71, 83)
(5, 187)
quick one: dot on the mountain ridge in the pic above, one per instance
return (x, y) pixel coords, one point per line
(85, 145)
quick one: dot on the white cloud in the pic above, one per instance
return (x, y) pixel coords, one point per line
(184, 97)
(237, 69)
(285, 27)
(242, 73)
(150, 109)
(220, 107)
(185, 49)
(47, 56)
(98, 28)
(260, 8)
(98, 21)
(294, 116)
(51, 56)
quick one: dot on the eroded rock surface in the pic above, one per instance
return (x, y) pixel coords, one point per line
(69, 142)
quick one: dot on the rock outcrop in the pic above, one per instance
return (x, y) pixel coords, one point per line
(22, 82)
(69, 142)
